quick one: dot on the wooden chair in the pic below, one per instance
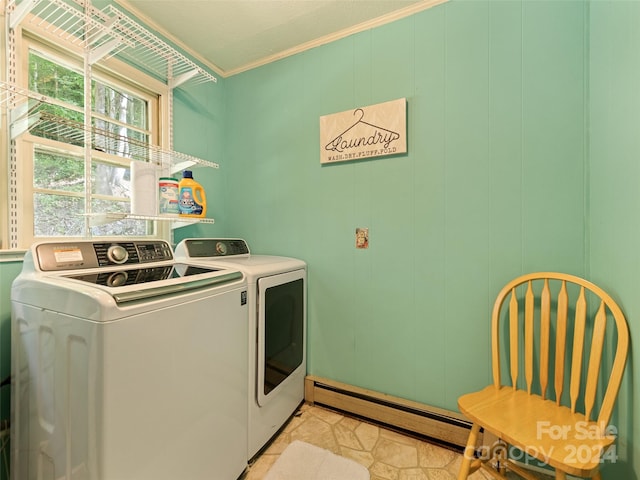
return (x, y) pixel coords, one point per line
(545, 402)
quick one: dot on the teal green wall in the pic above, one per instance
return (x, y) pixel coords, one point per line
(493, 184)
(614, 88)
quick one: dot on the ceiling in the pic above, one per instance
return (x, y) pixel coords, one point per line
(231, 36)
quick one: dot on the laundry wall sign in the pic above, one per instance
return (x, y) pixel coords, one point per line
(364, 132)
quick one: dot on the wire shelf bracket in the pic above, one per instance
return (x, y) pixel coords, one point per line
(19, 12)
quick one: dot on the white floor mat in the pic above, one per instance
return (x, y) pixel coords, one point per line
(302, 461)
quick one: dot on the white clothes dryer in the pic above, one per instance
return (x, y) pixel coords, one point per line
(277, 298)
(127, 365)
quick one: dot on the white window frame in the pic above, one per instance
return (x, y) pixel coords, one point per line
(111, 72)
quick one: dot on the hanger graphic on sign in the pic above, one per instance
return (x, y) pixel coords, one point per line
(381, 135)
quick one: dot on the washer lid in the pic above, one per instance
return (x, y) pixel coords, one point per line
(134, 276)
(127, 285)
(96, 294)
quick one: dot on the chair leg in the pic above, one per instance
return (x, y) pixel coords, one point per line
(469, 451)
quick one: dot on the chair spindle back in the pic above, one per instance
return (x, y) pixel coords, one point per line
(555, 325)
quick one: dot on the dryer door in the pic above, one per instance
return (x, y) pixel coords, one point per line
(281, 331)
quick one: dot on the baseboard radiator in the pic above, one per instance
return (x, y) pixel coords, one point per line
(441, 425)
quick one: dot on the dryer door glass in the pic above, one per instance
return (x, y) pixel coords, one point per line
(281, 339)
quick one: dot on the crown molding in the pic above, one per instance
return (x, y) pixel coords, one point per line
(361, 27)
(373, 23)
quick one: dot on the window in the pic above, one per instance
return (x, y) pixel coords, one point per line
(62, 185)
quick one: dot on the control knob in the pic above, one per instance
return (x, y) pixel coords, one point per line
(117, 279)
(117, 254)
(221, 248)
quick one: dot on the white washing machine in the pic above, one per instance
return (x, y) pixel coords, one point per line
(277, 329)
(127, 365)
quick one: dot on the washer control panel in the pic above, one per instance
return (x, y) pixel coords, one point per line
(58, 256)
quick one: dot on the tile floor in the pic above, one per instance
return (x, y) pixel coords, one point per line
(387, 454)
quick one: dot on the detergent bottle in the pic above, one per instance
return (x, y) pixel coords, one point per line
(192, 201)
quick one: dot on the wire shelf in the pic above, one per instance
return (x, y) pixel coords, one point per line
(65, 20)
(153, 53)
(44, 124)
(107, 33)
(11, 95)
(72, 132)
(98, 219)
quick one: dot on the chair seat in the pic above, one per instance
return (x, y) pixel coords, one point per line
(541, 428)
